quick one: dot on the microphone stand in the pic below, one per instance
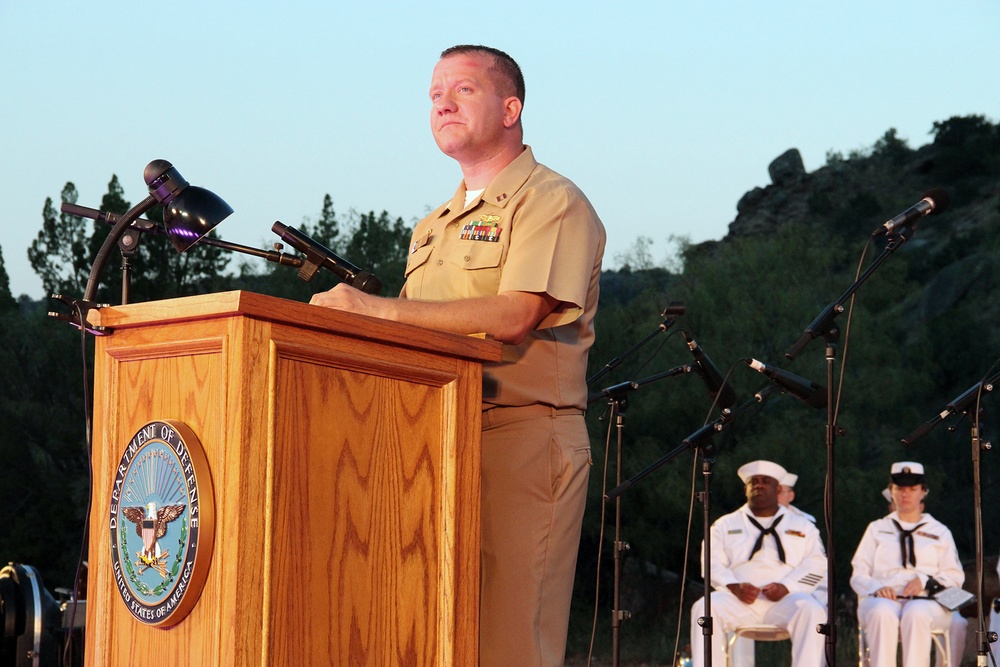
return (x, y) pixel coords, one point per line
(695, 441)
(982, 641)
(617, 396)
(128, 244)
(968, 404)
(825, 325)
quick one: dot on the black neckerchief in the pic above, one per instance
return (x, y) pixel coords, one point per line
(906, 542)
(767, 531)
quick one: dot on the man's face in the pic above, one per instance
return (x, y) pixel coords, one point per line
(762, 494)
(786, 495)
(468, 115)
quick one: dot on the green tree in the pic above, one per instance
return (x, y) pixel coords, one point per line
(968, 154)
(960, 130)
(44, 488)
(60, 252)
(891, 148)
(7, 301)
(379, 244)
(327, 228)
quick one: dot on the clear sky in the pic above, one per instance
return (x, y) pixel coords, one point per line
(665, 113)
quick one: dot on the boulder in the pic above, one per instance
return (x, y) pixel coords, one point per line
(787, 169)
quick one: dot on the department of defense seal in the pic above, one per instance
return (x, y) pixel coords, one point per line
(161, 523)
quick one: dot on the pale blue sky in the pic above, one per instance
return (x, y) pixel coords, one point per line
(664, 113)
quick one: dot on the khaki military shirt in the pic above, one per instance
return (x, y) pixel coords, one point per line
(531, 230)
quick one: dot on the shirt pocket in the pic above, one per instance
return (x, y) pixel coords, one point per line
(480, 265)
(417, 259)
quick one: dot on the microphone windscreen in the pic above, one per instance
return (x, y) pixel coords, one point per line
(940, 198)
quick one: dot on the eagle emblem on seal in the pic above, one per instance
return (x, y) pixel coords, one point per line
(151, 524)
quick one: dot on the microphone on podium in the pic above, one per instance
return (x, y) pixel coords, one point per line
(318, 255)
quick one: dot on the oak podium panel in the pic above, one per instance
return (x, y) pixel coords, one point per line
(343, 454)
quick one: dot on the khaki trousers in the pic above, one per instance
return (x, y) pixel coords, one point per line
(536, 463)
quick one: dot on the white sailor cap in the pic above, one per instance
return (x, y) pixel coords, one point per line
(907, 473)
(767, 468)
(789, 480)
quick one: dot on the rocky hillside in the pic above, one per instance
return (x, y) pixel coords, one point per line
(954, 257)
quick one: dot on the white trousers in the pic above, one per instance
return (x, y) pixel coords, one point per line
(887, 622)
(741, 654)
(798, 613)
(958, 631)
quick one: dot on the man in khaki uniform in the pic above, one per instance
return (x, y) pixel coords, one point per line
(516, 253)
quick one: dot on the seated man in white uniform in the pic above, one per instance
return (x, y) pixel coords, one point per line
(743, 648)
(766, 563)
(897, 557)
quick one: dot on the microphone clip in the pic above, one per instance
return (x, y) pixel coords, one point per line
(78, 316)
(311, 264)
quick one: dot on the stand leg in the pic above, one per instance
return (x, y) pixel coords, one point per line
(830, 627)
(617, 614)
(707, 627)
(982, 640)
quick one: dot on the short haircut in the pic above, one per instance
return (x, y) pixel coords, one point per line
(505, 72)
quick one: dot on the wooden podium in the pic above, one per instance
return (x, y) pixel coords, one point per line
(344, 456)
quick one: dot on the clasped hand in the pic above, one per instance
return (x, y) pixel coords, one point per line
(748, 593)
(912, 588)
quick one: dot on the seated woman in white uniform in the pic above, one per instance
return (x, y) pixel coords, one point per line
(899, 555)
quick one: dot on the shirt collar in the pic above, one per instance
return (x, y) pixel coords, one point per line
(503, 186)
(782, 510)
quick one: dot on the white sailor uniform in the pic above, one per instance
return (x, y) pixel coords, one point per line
(891, 553)
(734, 560)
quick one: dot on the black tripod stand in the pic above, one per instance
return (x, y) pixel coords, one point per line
(969, 403)
(617, 396)
(825, 325)
(700, 441)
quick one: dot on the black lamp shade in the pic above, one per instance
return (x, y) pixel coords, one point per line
(189, 212)
(192, 214)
